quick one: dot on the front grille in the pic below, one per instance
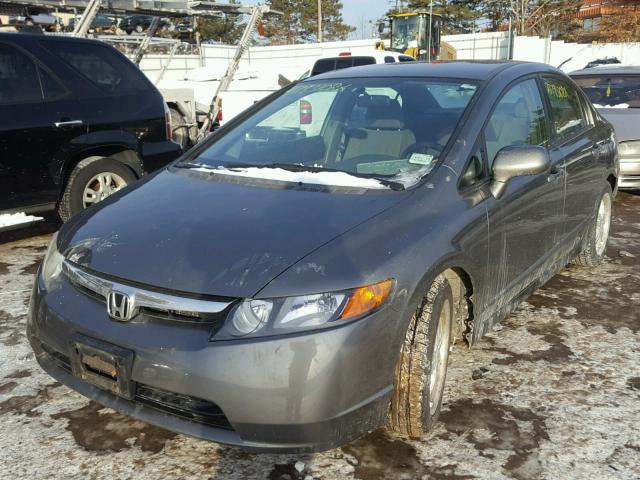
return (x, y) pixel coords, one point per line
(184, 406)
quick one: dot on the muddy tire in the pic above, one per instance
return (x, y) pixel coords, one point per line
(595, 242)
(89, 175)
(422, 367)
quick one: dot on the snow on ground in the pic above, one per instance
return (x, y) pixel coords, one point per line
(552, 393)
(10, 219)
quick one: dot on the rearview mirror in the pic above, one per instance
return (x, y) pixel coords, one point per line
(517, 161)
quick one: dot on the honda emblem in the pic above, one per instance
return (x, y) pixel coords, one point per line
(119, 306)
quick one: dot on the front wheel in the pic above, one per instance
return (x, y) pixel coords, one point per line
(595, 243)
(90, 182)
(422, 367)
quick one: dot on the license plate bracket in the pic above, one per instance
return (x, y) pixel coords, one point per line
(103, 365)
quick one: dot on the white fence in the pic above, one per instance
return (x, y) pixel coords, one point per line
(572, 56)
(295, 59)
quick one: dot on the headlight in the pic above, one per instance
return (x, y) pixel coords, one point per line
(629, 149)
(52, 265)
(260, 318)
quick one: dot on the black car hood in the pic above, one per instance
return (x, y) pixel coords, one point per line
(203, 234)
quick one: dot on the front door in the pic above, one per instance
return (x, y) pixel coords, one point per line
(525, 222)
(39, 119)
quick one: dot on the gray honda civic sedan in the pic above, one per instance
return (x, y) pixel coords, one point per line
(297, 279)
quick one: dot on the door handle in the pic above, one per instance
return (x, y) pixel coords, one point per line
(69, 123)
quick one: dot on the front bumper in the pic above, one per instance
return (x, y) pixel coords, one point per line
(156, 155)
(299, 393)
(629, 173)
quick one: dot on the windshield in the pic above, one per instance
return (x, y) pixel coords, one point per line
(407, 32)
(382, 128)
(622, 91)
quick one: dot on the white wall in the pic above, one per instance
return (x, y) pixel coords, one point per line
(292, 60)
(538, 49)
(480, 46)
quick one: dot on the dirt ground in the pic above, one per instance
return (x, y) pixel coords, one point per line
(553, 392)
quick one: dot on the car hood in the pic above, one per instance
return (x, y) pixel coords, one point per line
(625, 122)
(213, 235)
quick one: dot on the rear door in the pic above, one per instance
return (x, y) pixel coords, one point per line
(576, 144)
(123, 107)
(39, 121)
(525, 222)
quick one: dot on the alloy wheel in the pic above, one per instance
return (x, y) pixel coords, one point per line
(101, 186)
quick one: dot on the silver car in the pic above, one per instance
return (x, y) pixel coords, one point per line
(615, 92)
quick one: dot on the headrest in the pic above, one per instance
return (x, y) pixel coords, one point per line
(383, 113)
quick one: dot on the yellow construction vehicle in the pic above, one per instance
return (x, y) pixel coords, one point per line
(418, 34)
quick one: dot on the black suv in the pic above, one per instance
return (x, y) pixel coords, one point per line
(140, 23)
(78, 121)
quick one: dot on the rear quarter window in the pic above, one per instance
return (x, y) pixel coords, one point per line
(101, 65)
(330, 64)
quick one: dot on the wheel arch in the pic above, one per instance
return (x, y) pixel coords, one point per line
(122, 154)
(463, 288)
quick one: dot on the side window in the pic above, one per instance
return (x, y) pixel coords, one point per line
(389, 60)
(51, 88)
(18, 77)
(518, 119)
(566, 110)
(101, 65)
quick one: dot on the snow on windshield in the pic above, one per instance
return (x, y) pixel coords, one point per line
(337, 179)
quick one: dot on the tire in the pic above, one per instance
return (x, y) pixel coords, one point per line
(128, 31)
(84, 175)
(417, 398)
(180, 135)
(594, 246)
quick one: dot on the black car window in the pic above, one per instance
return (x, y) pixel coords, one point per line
(19, 81)
(51, 88)
(622, 91)
(566, 110)
(389, 59)
(518, 119)
(101, 64)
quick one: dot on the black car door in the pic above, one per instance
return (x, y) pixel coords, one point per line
(39, 119)
(580, 148)
(525, 221)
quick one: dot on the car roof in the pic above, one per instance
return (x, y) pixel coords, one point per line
(13, 36)
(607, 70)
(471, 70)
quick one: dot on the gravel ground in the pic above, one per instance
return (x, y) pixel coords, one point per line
(553, 392)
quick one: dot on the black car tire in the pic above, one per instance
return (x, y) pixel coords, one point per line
(593, 254)
(71, 202)
(128, 31)
(412, 413)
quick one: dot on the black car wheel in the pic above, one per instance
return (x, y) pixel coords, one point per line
(422, 367)
(90, 182)
(595, 243)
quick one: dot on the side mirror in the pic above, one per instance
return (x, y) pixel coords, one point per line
(517, 161)
(381, 27)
